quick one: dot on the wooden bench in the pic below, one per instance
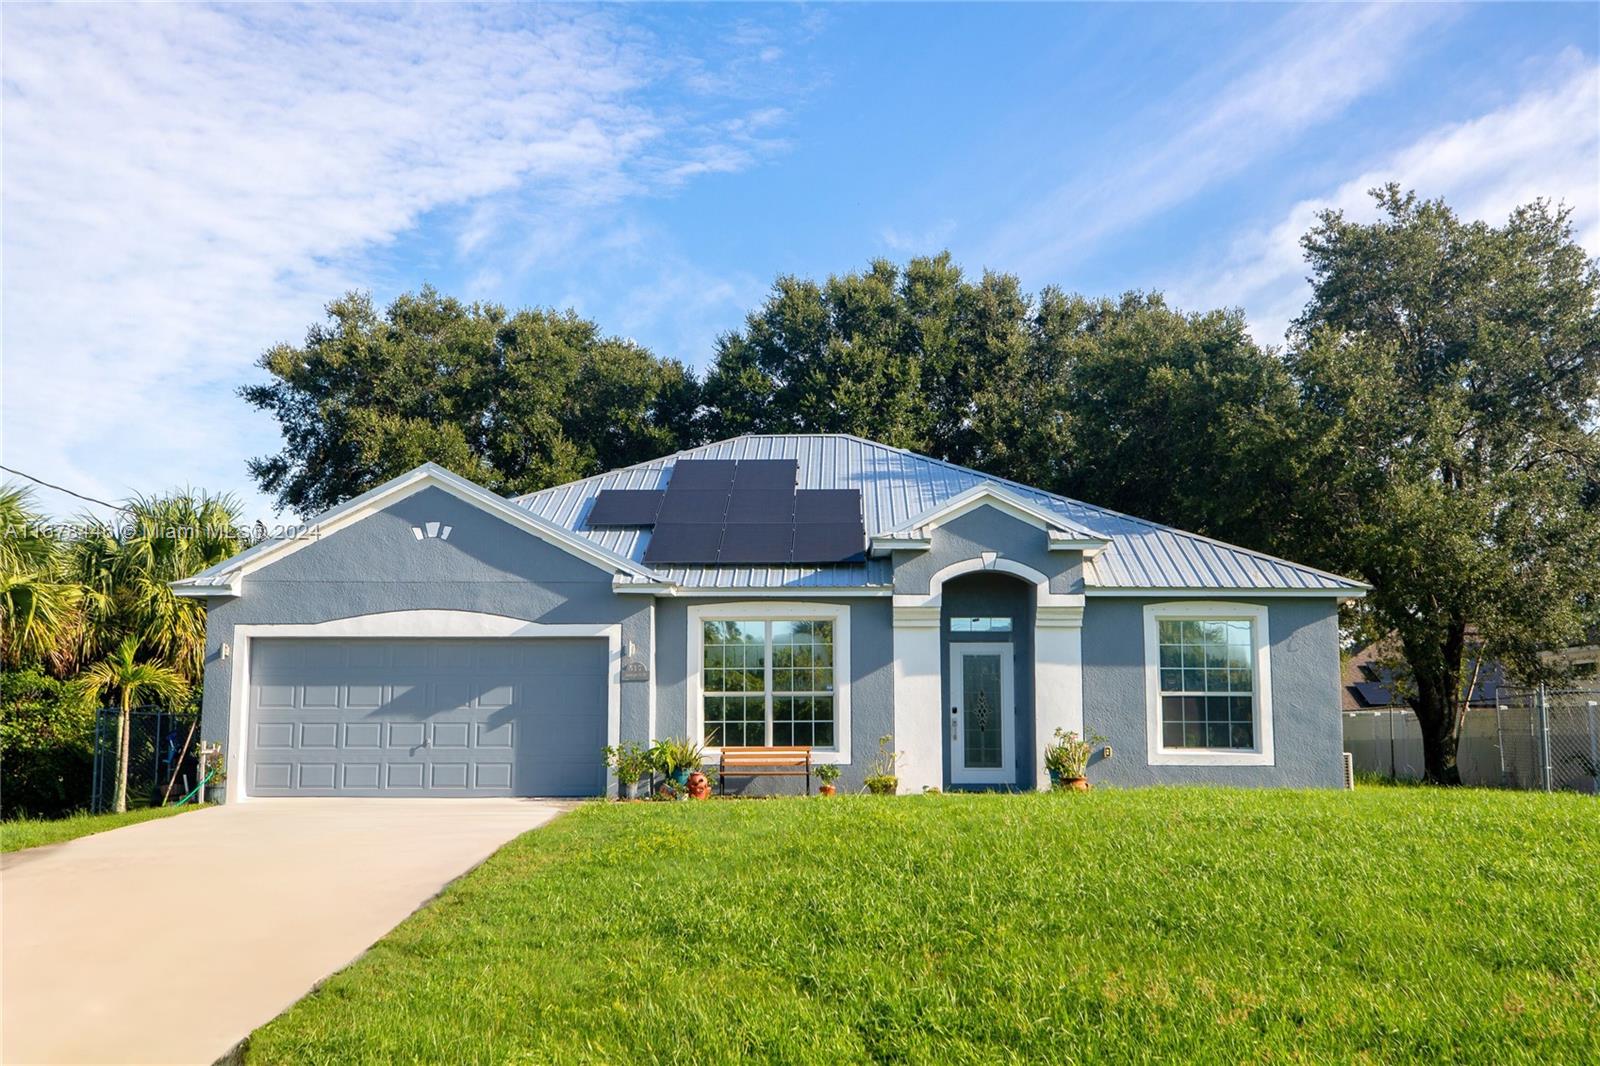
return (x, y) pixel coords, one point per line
(764, 762)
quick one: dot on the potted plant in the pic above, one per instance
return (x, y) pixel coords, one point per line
(675, 760)
(881, 779)
(827, 773)
(1068, 760)
(216, 773)
(631, 763)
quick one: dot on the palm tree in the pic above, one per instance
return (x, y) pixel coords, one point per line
(125, 575)
(37, 606)
(133, 681)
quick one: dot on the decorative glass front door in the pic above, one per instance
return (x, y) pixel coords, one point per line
(982, 715)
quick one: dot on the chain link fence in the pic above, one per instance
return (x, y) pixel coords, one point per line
(161, 748)
(1541, 739)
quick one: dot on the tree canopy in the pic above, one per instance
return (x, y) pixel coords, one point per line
(1095, 398)
(1447, 450)
(516, 402)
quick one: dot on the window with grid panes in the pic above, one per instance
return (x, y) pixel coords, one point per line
(768, 682)
(1207, 684)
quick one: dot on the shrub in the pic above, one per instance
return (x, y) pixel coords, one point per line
(46, 746)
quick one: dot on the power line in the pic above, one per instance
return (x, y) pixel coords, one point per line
(59, 488)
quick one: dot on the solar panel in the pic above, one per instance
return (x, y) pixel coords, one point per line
(828, 505)
(702, 474)
(828, 542)
(761, 507)
(684, 544)
(766, 474)
(746, 512)
(1373, 694)
(625, 507)
(756, 544)
(693, 507)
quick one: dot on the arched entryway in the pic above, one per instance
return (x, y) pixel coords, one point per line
(986, 628)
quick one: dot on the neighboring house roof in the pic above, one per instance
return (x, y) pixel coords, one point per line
(1368, 681)
(901, 492)
(224, 579)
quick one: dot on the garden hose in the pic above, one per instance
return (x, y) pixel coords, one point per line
(196, 789)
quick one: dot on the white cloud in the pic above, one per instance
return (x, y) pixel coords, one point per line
(1314, 64)
(1544, 144)
(929, 240)
(184, 186)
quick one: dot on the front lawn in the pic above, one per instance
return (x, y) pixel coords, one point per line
(1150, 925)
(23, 833)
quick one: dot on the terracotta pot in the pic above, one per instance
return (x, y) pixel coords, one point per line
(699, 786)
(826, 790)
(1078, 784)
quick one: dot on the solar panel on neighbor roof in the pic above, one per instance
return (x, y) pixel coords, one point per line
(1373, 694)
(702, 474)
(756, 544)
(828, 505)
(766, 474)
(684, 544)
(828, 542)
(625, 507)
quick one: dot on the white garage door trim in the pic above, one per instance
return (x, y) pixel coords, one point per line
(464, 625)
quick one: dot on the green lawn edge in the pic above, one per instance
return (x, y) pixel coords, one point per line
(20, 834)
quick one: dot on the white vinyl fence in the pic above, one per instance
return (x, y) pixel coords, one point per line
(1533, 739)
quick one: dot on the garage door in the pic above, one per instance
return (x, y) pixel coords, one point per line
(427, 717)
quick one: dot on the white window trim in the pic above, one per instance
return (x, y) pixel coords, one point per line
(768, 611)
(1157, 753)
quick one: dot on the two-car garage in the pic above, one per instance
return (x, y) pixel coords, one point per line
(346, 716)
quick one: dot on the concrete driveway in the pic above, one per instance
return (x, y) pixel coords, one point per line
(169, 941)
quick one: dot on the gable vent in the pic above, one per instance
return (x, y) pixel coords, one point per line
(431, 531)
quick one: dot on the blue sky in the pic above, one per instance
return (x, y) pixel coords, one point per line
(184, 186)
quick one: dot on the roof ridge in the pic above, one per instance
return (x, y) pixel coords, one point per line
(947, 464)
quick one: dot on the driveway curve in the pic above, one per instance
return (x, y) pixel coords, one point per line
(171, 940)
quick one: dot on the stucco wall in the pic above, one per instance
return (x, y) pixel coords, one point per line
(1308, 740)
(871, 682)
(378, 565)
(981, 530)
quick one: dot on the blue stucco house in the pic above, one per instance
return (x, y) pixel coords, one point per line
(431, 638)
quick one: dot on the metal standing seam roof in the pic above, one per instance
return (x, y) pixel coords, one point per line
(897, 486)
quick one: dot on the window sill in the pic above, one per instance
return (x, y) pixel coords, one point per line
(1208, 757)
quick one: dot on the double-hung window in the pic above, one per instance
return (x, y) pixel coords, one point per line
(1208, 692)
(771, 680)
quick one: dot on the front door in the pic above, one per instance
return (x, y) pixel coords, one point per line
(983, 718)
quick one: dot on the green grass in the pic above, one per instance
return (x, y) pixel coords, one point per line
(21, 833)
(1152, 925)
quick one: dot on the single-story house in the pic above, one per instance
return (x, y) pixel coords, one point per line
(432, 638)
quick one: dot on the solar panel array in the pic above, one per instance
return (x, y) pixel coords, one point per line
(736, 512)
